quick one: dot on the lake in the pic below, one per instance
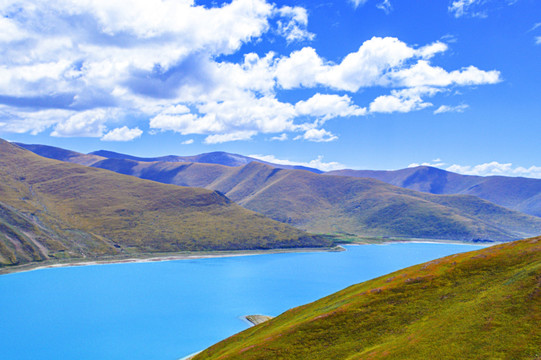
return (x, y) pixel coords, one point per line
(169, 309)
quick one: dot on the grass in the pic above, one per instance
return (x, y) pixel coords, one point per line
(479, 305)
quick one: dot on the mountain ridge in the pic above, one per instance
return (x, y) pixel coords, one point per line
(517, 193)
(340, 204)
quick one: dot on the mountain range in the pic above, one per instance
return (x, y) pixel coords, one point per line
(484, 304)
(326, 204)
(56, 210)
(516, 193)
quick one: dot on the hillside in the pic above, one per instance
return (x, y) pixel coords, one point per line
(484, 304)
(340, 204)
(56, 210)
(516, 193)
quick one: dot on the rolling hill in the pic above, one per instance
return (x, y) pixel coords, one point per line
(340, 204)
(484, 304)
(516, 193)
(54, 210)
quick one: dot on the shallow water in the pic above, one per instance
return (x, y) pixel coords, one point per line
(166, 310)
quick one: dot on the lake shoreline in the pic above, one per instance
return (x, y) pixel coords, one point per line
(143, 258)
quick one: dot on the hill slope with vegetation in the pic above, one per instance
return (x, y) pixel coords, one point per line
(55, 210)
(516, 193)
(484, 304)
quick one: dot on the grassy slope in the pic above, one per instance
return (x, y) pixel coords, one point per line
(53, 209)
(479, 305)
(339, 204)
(517, 193)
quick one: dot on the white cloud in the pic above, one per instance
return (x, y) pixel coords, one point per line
(294, 28)
(122, 134)
(385, 5)
(466, 7)
(496, 168)
(90, 123)
(282, 137)
(317, 135)
(434, 163)
(356, 3)
(187, 142)
(475, 8)
(325, 107)
(379, 61)
(446, 108)
(316, 163)
(538, 40)
(423, 74)
(80, 67)
(493, 168)
(232, 136)
(402, 100)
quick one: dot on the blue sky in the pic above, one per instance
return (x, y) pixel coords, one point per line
(365, 84)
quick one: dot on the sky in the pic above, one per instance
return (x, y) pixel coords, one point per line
(362, 84)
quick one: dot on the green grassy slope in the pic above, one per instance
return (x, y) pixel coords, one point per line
(516, 193)
(53, 209)
(479, 305)
(340, 204)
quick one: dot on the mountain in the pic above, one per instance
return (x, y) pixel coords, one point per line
(516, 193)
(217, 157)
(53, 210)
(340, 204)
(484, 304)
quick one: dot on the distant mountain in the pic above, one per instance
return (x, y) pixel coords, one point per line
(217, 157)
(484, 304)
(517, 193)
(55, 210)
(339, 204)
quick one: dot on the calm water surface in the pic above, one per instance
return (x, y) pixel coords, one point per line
(166, 310)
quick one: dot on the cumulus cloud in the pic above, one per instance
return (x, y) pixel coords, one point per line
(325, 107)
(80, 69)
(294, 28)
(446, 108)
(316, 163)
(187, 142)
(122, 134)
(379, 61)
(90, 123)
(538, 40)
(405, 100)
(317, 135)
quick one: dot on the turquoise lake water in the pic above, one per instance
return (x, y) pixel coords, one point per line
(167, 310)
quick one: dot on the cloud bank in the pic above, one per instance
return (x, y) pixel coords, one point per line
(88, 68)
(493, 168)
